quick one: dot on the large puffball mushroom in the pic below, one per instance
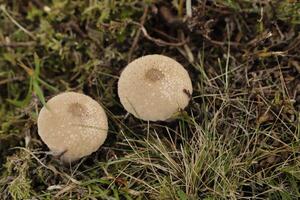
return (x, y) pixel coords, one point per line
(72, 125)
(154, 87)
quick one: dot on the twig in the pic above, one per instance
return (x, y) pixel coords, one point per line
(137, 36)
(2, 7)
(157, 41)
(19, 78)
(265, 35)
(17, 44)
(219, 43)
(165, 34)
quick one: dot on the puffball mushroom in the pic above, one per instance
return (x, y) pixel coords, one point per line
(72, 125)
(154, 87)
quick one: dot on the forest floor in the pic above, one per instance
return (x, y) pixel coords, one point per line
(237, 139)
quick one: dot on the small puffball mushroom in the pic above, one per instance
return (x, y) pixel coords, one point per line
(72, 125)
(154, 87)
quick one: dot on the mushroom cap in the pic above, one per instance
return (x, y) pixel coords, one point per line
(73, 125)
(154, 87)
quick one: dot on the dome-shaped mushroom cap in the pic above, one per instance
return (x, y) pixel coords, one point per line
(154, 87)
(72, 124)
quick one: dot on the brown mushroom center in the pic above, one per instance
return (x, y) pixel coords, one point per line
(154, 75)
(77, 109)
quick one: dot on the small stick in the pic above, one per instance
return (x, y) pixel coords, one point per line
(17, 44)
(2, 7)
(137, 36)
(158, 41)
